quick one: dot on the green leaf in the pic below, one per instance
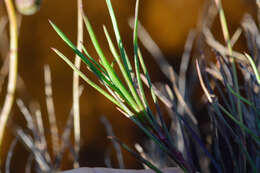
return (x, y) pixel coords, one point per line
(94, 61)
(257, 139)
(125, 59)
(126, 74)
(92, 67)
(85, 60)
(115, 79)
(85, 78)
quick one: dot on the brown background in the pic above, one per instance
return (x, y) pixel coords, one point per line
(168, 21)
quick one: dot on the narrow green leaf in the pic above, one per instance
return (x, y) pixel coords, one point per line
(225, 31)
(156, 125)
(94, 61)
(115, 79)
(127, 65)
(126, 74)
(251, 162)
(244, 100)
(123, 93)
(137, 66)
(239, 96)
(146, 73)
(257, 138)
(85, 60)
(85, 78)
(124, 57)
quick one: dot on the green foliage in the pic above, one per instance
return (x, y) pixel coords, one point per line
(235, 124)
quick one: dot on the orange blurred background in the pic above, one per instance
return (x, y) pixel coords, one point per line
(168, 22)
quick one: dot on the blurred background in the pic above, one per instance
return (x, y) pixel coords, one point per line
(167, 21)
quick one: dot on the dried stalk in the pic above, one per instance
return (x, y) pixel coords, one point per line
(51, 111)
(204, 88)
(9, 99)
(76, 94)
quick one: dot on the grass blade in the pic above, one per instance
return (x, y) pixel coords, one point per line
(100, 90)
(124, 71)
(124, 57)
(257, 138)
(115, 79)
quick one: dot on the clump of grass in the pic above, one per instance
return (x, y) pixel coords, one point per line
(129, 97)
(233, 100)
(233, 109)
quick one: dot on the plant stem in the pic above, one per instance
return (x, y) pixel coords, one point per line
(76, 108)
(51, 111)
(230, 52)
(9, 99)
